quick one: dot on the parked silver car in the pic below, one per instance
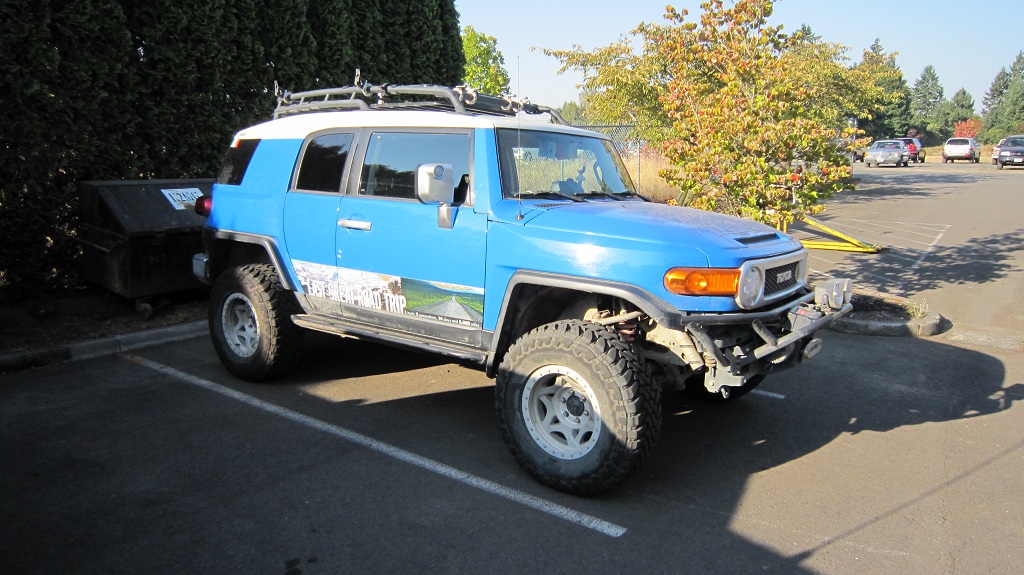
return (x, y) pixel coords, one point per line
(892, 152)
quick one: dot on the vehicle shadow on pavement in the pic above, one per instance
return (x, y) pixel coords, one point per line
(690, 489)
(710, 452)
(120, 456)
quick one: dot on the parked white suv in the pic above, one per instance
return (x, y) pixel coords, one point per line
(995, 151)
(961, 149)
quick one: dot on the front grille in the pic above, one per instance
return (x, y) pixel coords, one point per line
(780, 279)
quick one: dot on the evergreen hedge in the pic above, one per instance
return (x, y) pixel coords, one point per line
(135, 89)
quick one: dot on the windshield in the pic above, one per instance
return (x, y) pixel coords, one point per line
(887, 144)
(1014, 143)
(552, 164)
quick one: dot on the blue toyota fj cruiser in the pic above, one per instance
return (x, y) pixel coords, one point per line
(452, 222)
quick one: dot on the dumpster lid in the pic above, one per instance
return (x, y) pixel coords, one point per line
(150, 206)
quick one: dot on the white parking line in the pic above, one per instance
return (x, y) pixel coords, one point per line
(524, 499)
(767, 393)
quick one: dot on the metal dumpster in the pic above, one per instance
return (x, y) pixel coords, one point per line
(138, 236)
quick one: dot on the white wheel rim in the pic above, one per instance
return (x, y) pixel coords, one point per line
(561, 413)
(238, 324)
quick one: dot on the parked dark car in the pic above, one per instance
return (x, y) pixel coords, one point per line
(1012, 152)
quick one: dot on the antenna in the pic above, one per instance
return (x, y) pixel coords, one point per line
(519, 141)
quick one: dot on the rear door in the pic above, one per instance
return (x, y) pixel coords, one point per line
(311, 212)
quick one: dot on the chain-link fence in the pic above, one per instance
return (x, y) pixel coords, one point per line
(643, 162)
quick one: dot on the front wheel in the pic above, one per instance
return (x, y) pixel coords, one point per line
(250, 323)
(577, 408)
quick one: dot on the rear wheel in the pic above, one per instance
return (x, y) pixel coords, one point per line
(250, 323)
(577, 407)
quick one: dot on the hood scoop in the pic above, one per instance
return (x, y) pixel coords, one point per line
(757, 239)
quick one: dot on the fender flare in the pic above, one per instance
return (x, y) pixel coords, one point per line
(288, 280)
(650, 304)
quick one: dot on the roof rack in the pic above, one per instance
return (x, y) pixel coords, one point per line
(366, 96)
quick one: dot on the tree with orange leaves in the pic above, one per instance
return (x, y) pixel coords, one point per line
(752, 120)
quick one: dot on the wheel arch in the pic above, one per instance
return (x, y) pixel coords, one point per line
(232, 249)
(533, 299)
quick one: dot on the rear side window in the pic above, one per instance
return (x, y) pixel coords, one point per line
(392, 158)
(237, 162)
(323, 163)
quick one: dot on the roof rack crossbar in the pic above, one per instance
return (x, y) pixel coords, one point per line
(461, 99)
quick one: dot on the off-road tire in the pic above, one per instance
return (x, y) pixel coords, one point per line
(608, 389)
(260, 341)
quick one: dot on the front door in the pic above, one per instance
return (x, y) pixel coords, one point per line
(396, 264)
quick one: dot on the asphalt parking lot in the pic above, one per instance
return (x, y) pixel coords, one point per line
(882, 455)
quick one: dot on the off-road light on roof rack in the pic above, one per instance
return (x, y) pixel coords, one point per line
(461, 99)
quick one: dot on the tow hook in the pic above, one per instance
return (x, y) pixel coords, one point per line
(812, 348)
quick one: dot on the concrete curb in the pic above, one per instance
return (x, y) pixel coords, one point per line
(24, 359)
(864, 324)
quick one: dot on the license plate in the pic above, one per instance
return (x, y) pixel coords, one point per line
(1018, 160)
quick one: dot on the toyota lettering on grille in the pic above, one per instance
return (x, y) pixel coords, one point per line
(783, 277)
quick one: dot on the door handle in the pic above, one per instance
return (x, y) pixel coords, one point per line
(355, 225)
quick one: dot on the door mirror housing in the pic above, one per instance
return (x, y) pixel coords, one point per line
(435, 183)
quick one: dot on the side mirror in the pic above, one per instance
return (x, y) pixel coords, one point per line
(435, 183)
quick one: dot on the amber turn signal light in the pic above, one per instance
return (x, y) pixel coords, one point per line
(702, 281)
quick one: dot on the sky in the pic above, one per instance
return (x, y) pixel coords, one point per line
(966, 43)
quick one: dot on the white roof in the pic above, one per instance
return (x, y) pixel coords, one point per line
(300, 125)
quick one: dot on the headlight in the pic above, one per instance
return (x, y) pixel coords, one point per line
(751, 284)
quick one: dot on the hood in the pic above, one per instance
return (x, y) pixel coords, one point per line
(649, 222)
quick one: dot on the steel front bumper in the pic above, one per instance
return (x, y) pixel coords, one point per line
(731, 348)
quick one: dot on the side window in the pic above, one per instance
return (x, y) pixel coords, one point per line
(389, 169)
(323, 163)
(236, 162)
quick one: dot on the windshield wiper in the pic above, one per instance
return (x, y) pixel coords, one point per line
(630, 194)
(548, 194)
(617, 196)
(595, 194)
